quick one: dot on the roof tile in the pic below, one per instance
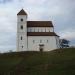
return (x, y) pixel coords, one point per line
(39, 24)
(22, 12)
(41, 34)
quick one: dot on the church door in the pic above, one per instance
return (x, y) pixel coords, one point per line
(41, 48)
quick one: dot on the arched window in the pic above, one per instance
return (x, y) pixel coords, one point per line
(47, 41)
(21, 26)
(38, 29)
(30, 30)
(22, 46)
(21, 38)
(34, 29)
(41, 30)
(40, 41)
(21, 19)
(45, 29)
(49, 30)
(33, 41)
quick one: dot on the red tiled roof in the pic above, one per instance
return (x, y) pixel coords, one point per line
(22, 12)
(39, 24)
(41, 34)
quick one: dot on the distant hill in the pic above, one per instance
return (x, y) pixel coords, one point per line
(56, 62)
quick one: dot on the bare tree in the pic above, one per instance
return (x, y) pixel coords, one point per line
(64, 43)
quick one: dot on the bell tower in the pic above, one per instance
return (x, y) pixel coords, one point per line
(22, 31)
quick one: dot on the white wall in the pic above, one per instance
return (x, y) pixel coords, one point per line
(21, 32)
(24, 23)
(27, 42)
(57, 42)
(40, 29)
(48, 46)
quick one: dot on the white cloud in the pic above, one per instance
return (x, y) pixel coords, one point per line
(68, 35)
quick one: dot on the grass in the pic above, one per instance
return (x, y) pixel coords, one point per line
(56, 62)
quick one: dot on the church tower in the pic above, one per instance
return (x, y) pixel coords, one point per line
(22, 31)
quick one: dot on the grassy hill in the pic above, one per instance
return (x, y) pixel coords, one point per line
(57, 62)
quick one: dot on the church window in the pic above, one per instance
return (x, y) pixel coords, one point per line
(49, 30)
(34, 29)
(45, 29)
(21, 19)
(30, 30)
(47, 41)
(21, 26)
(38, 29)
(21, 38)
(40, 41)
(33, 41)
(22, 46)
(41, 30)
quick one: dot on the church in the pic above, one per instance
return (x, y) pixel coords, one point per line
(35, 35)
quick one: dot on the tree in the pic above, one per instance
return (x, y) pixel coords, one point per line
(10, 51)
(64, 43)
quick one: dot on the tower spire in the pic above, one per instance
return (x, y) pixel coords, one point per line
(22, 12)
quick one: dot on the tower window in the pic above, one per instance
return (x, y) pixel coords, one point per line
(33, 41)
(21, 38)
(21, 19)
(40, 41)
(22, 46)
(21, 27)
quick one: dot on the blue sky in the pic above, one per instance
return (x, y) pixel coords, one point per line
(61, 12)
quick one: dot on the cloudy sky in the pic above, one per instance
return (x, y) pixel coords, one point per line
(61, 12)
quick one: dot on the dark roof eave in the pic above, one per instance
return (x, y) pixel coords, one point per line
(41, 34)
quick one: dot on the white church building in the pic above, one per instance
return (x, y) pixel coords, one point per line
(35, 35)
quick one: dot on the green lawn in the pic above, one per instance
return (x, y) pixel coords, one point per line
(56, 62)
